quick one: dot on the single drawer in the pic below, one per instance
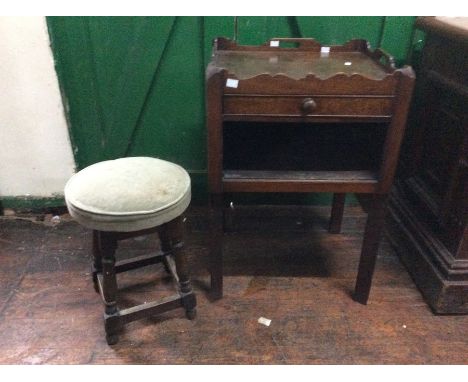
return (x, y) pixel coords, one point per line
(304, 106)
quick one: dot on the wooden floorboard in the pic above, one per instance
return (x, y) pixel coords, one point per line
(281, 263)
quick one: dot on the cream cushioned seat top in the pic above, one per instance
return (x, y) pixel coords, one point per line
(128, 194)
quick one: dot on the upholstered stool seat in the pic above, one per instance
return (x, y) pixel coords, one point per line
(128, 194)
(129, 197)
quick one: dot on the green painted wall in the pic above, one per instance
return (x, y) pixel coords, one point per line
(135, 85)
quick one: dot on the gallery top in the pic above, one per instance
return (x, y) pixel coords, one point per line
(298, 58)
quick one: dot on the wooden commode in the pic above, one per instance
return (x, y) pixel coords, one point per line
(295, 116)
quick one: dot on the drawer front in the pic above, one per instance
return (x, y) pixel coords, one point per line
(308, 106)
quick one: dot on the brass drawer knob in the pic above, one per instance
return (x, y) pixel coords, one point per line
(308, 105)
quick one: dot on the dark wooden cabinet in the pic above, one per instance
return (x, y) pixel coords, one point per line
(295, 116)
(429, 203)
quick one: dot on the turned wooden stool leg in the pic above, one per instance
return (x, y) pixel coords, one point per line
(337, 212)
(171, 235)
(166, 246)
(370, 246)
(97, 262)
(188, 297)
(108, 246)
(216, 245)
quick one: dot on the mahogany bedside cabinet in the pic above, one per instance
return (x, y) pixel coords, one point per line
(295, 116)
(128, 197)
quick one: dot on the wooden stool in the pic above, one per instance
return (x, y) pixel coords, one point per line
(124, 198)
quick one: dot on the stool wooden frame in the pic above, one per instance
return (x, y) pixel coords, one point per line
(106, 269)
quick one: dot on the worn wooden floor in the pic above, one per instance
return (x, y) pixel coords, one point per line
(280, 264)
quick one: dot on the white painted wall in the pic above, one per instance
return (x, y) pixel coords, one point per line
(35, 151)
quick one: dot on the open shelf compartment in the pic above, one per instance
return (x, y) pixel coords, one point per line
(301, 157)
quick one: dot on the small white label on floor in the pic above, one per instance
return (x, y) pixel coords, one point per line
(324, 51)
(274, 43)
(232, 83)
(273, 60)
(264, 321)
